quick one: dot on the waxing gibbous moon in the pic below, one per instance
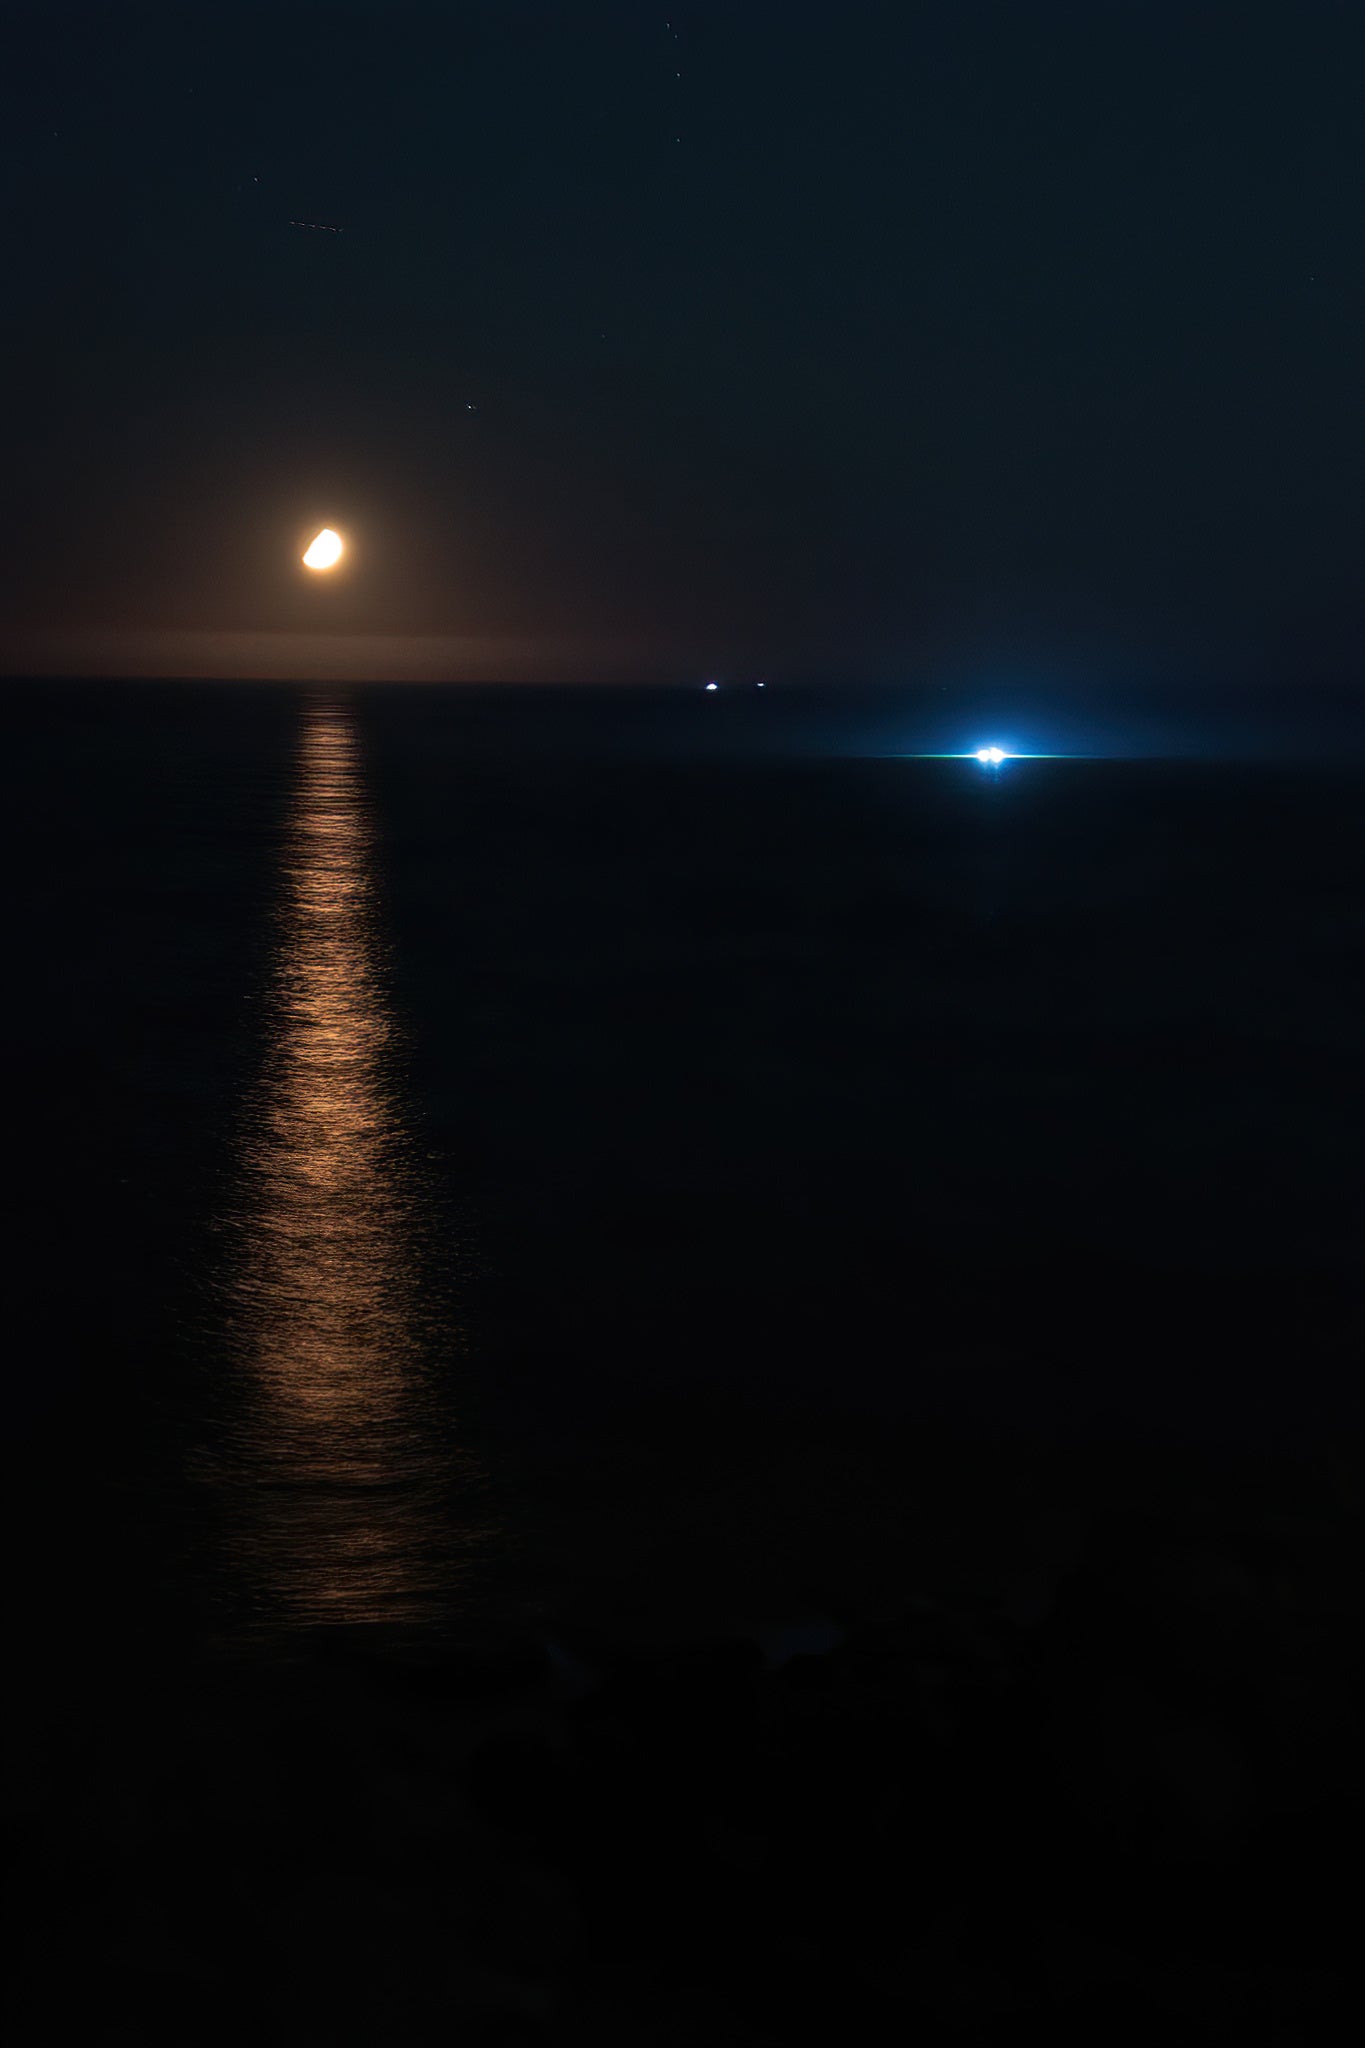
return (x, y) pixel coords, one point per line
(323, 551)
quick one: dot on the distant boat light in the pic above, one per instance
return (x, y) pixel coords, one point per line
(991, 757)
(713, 686)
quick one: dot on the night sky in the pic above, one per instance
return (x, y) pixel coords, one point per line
(811, 339)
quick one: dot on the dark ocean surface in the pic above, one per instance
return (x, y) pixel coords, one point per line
(480, 1156)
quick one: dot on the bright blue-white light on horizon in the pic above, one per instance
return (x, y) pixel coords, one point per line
(713, 686)
(991, 757)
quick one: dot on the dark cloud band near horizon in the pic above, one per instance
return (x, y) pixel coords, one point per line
(247, 656)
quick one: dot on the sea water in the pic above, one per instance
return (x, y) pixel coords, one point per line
(478, 1151)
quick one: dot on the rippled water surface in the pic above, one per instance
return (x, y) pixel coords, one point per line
(343, 1461)
(423, 1099)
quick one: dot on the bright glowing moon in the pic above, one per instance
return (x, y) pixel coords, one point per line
(324, 550)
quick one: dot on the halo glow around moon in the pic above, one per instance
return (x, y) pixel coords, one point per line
(324, 550)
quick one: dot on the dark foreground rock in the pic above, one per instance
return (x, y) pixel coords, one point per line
(1126, 1808)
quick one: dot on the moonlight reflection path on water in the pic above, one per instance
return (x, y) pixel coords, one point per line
(350, 1479)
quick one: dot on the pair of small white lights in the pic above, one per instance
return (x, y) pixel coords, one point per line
(991, 757)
